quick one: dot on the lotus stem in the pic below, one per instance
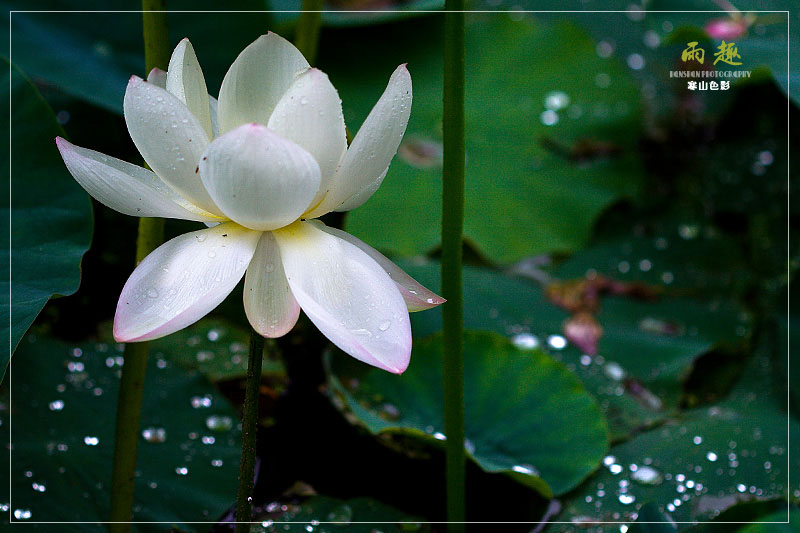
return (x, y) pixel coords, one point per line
(157, 49)
(306, 40)
(131, 387)
(244, 498)
(452, 229)
(307, 34)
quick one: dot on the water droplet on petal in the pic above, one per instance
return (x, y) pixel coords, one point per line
(766, 158)
(549, 117)
(604, 49)
(204, 355)
(557, 342)
(361, 332)
(200, 401)
(525, 469)
(688, 231)
(614, 371)
(651, 39)
(154, 434)
(525, 341)
(219, 423)
(636, 61)
(647, 475)
(556, 100)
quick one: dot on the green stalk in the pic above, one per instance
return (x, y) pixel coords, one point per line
(150, 237)
(131, 387)
(157, 50)
(306, 40)
(452, 229)
(307, 34)
(126, 437)
(244, 500)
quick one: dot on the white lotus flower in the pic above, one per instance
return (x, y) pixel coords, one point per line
(259, 165)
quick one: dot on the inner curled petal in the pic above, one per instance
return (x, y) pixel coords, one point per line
(366, 161)
(310, 114)
(258, 178)
(257, 80)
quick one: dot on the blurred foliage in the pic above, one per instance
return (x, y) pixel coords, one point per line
(50, 217)
(537, 134)
(552, 452)
(679, 251)
(358, 515)
(651, 520)
(702, 462)
(95, 64)
(217, 349)
(790, 519)
(643, 232)
(63, 404)
(352, 12)
(635, 391)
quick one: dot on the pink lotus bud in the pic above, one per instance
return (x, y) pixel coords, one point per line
(726, 28)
